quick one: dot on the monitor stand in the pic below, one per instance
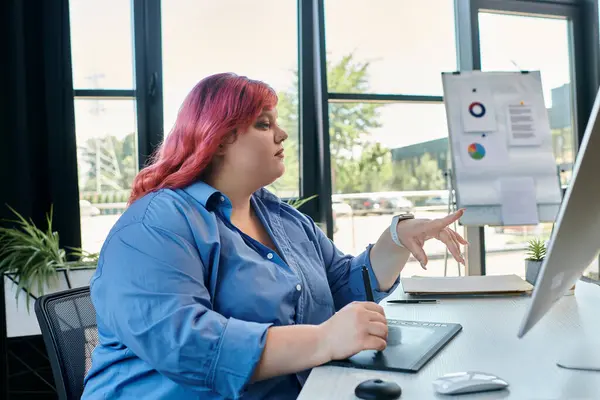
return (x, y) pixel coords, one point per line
(584, 357)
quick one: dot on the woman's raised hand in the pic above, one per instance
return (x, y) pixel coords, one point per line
(413, 233)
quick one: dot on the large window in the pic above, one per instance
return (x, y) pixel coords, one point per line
(258, 39)
(134, 62)
(105, 113)
(101, 44)
(396, 39)
(395, 161)
(197, 38)
(388, 154)
(529, 43)
(535, 43)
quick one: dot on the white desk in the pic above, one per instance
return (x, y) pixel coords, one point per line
(488, 343)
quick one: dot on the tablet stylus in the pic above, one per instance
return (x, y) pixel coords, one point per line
(367, 282)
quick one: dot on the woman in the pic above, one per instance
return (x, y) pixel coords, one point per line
(210, 287)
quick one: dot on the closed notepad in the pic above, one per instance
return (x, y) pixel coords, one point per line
(487, 284)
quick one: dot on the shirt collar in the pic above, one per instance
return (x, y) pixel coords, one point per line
(205, 194)
(210, 197)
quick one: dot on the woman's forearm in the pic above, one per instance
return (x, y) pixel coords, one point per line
(291, 349)
(387, 260)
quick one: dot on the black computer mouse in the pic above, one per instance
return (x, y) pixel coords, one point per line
(377, 389)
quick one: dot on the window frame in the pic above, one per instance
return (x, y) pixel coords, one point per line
(584, 75)
(116, 94)
(148, 77)
(314, 98)
(338, 97)
(469, 58)
(147, 90)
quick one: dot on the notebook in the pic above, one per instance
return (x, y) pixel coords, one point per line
(467, 285)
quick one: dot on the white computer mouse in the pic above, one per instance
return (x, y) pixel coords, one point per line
(468, 382)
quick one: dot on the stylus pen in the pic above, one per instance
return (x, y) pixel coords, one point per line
(367, 282)
(412, 301)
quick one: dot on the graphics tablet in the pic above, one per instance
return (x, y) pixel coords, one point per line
(411, 344)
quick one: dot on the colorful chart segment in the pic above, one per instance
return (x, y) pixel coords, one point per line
(477, 109)
(476, 151)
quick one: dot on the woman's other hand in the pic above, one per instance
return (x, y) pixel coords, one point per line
(413, 233)
(356, 327)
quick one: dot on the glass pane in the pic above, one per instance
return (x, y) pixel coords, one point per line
(258, 39)
(514, 43)
(396, 38)
(107, 163)
(101, 44)
(389, 158)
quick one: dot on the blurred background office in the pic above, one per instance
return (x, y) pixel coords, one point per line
(91, 87)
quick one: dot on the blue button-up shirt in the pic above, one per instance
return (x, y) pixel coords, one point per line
(184, 298)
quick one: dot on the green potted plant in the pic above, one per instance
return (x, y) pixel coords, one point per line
(536, 252)
(34, 261)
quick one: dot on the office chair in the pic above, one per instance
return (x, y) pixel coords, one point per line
(67, 320)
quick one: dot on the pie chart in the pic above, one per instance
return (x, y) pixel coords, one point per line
(477, 109)
(476, 151)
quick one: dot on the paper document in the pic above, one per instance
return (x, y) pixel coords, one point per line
(477, 109)
(519, 201)
(522, 125)
(486, 284)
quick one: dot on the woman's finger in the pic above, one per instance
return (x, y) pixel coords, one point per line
(437, 225)
(450, 233)
(369, 305)
(455, 237)
(458, 237)
(378, 329)
(417, 252)
(375, 316)
(374, 343)
(447, 238)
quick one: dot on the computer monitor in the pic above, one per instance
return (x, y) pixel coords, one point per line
(575, 239)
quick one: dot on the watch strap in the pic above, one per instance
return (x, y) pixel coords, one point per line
(394, 225)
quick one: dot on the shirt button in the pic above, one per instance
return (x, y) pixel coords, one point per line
(270, 256)
(222, 198)
(298, 287)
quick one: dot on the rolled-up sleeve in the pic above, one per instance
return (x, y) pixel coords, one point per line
(344, 273)
(150, 294)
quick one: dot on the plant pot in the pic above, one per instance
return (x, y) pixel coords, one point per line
(23, 322)
(532, 270)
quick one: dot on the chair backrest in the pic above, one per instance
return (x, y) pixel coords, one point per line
(68, 323)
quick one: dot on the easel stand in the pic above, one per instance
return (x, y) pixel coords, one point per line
(498, 125)
(474, 234)
(451, 208)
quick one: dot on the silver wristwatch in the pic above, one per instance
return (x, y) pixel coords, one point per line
(394, 224)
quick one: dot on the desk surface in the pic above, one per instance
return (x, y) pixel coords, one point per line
(489, 343)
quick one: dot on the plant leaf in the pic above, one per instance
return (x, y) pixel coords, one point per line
(30, 254)
(300, 202)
